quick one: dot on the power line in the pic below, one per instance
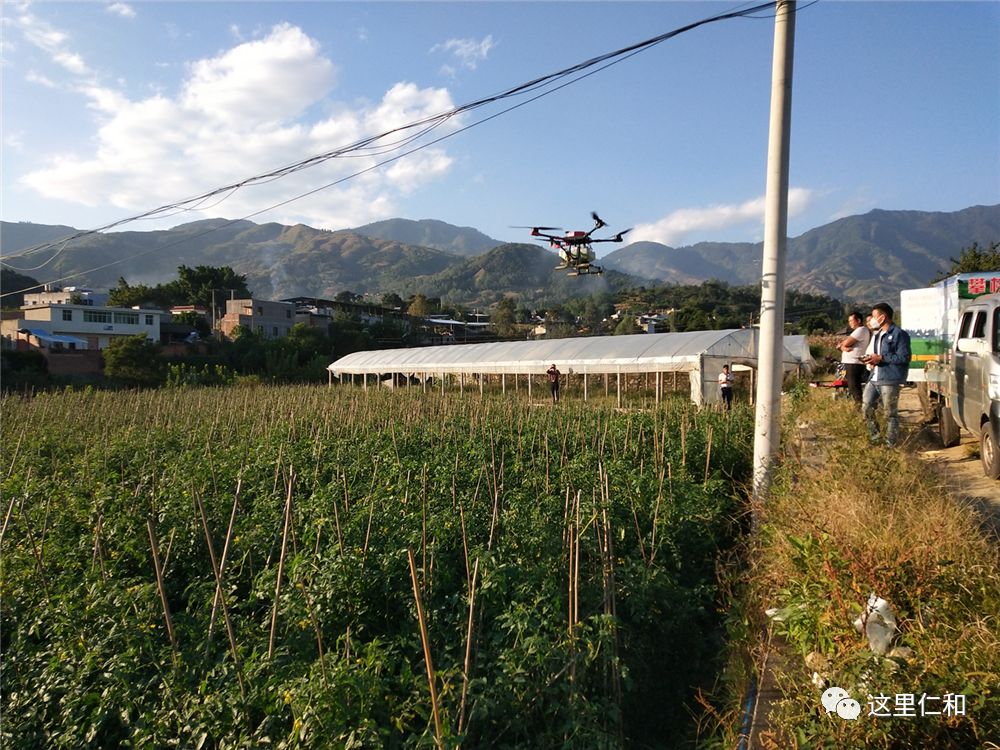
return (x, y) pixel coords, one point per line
(367, 146)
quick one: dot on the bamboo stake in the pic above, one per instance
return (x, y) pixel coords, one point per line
(45, 526)
(218, 586)
(656, 510)
(465, 546)
(427, 649)
(6, 519)
(319, 636)
(281, 568)
(159, 585)
(10, 507)
(423, 521)
(609, 536)
(98, 556)
(684, 424)
(368, 531)
(277, 468)
(576, 564)
(336, 520)
(37, 553)
(170, 546)
(347, 507)
(17, 449)
(570, 576)
(708, 454)
(222, 564)
(467, 669)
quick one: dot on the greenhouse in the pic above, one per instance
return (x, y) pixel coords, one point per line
(515, 364)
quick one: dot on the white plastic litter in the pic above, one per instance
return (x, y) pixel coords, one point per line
(878, 623)
(782, 615)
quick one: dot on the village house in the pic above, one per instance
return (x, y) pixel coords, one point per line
(268, 319)
(91, 327)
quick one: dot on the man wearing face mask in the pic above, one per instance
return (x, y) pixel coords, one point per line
(890, 362)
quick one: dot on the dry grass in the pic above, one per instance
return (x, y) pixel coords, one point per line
(846, 521)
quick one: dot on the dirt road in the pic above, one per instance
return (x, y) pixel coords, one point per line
(959, 466)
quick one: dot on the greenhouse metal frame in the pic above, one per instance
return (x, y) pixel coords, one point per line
(700, 354)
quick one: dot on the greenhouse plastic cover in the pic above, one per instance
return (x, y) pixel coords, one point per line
(593, 354)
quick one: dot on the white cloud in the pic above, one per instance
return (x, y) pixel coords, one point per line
(468, 52)
(36, 77)
(14, 140)
(247, 111)
(41, 34)
(676, 226)
(71, 61)
(121, 9)
(260, 81)
(410, 173)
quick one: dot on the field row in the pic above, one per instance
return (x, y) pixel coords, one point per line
(314, 568)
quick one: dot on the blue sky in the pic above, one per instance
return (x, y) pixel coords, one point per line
(110, 109)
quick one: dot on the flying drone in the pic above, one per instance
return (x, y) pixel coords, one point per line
(574, 248)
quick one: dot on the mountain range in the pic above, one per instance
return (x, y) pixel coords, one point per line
(862, 258)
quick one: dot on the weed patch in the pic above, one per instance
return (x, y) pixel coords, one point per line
(846, 521)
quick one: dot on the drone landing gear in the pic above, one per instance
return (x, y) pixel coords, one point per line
(583, 270)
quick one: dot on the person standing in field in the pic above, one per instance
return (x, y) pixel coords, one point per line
(890, 363)
(726, 387)
(852, 349)
(553, 373)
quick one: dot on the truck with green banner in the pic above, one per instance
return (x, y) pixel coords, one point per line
(931, 315)
(954, 329)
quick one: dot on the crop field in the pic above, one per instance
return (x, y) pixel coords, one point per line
(312, 567)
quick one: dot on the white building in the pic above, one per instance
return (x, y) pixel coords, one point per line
(70, 295)
(98, 326)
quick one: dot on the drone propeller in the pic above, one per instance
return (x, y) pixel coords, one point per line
(600, 222)
(540, 229)
(618, 237)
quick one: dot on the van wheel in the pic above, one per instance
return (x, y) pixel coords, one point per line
(947, 426)
(989, 451)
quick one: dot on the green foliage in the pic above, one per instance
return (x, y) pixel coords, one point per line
(192, 318)
(392, 300)
(196, 285)
(19, 370)
(503, 318)
(30, 360)
(420, 307)
(626, 326)
(972, 259)
(715, 305)
(182, 374)
(134, 360)
(818, 323)
(193, 286)
(127, 295)
(301, 356)
(483, 489)
(348, 296)
(15, 285)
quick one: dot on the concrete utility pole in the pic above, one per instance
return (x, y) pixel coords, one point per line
(767, 435)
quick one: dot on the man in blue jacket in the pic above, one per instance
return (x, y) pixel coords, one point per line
(890, 362)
